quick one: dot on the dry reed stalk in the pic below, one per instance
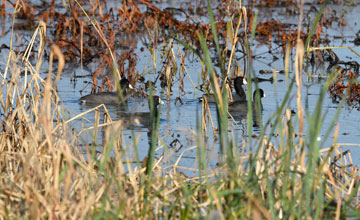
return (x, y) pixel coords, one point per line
(204, 108)
(206, 113)
(298, 73)
(244, 13)
(153, 34)
(233, 42)
(168, 75)
(299, 56)
(184, 70)
(16, 10)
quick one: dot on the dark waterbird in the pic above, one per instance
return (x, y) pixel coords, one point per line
(108, 97)
(144, 118)
(238, 95)
(239, 109)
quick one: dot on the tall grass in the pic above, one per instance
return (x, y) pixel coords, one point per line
(307, 199)
(44, 174)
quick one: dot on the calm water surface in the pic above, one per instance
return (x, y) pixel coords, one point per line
(178, 123)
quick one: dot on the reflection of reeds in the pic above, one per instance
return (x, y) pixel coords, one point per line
(44, 174)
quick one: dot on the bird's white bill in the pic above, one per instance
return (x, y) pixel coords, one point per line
(244, 81)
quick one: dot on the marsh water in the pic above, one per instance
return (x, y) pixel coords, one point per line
(178, 123)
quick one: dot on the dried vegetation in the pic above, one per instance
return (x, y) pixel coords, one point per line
(45, 175)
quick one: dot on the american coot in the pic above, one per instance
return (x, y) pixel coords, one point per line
(156, 101)
(144, 118)
(107, 97)
(239, 109)
(238, 95)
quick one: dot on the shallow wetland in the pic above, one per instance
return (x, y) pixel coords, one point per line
(301, 160)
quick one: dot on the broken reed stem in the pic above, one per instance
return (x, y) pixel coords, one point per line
(61, 63)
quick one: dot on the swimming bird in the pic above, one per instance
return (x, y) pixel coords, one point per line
(238, 95)
(239, 109)
(144, 118)
(108, 97)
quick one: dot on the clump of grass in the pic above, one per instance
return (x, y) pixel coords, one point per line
(296, 185)
(44, 174)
